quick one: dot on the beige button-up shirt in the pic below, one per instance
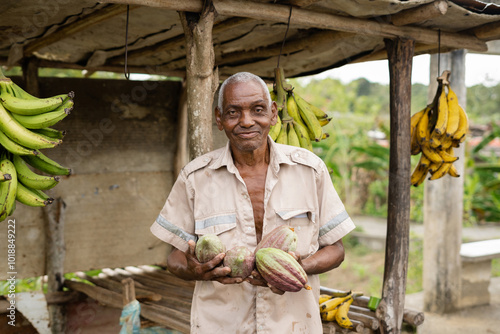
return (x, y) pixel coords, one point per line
(210, 196)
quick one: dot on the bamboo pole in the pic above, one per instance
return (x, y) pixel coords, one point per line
(391, 307)
(202, 80)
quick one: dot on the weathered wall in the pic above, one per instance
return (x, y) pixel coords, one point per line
(120, 145)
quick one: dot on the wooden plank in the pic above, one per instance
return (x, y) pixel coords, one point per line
(420, 13)
(75, 27)
(159, 314)
(391, 308)
(279, 13)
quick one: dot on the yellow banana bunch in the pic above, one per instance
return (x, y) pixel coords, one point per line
(435, 131)
(25, 128)
(299, 122)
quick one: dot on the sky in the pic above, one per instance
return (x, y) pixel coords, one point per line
(479, 69)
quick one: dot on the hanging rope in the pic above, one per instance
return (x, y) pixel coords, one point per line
(439, 53)
(127, 73)
(284, 38)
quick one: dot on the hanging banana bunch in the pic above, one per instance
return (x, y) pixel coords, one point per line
(26, 127)
(435, 131)
(299, 122)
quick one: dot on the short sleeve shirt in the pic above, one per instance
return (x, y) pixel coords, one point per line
(210, 196)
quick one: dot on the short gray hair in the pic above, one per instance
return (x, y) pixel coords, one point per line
(242, 77)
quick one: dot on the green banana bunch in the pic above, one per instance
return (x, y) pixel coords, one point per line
(299, 122)
(435, 131)
(25, 128)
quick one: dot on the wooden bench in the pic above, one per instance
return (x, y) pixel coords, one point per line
(476, 271)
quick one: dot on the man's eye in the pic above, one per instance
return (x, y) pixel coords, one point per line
(259, 110)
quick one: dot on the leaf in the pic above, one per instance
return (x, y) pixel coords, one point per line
(489, 167)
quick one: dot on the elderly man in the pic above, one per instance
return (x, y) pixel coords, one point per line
(241, 192)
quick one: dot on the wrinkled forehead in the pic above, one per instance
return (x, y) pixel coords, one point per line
(243, 91)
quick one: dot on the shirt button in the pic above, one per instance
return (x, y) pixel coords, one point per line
(249, 229)
(245, 196)
(297, 155)
(260, 327)
(259, 295)
(205, 160)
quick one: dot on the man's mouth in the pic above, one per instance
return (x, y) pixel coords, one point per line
(247, 134)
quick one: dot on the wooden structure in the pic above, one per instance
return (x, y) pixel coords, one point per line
(207, 40)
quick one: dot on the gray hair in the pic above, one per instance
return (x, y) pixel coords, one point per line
(242, 77)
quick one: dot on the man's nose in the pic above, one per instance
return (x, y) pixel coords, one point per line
(246, 119)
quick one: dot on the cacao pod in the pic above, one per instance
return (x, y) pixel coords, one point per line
(207, 247)
(282, 237)
(281, 270)
(241, 261)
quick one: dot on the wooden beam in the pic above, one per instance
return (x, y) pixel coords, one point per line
(443, 209)
(75, 27)
(195, 6)
(420, 13)
(153, 70)
(181, 157)
(291, 46)
(487, 32)
(303, 3)
(177, 42)
(202, 80)
(419, 49)
(391, 307)
(30, 76)
(279, 13)
(55, 254)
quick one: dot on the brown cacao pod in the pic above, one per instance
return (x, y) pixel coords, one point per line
(207, 247)
(241, 260)
(281, 270)
(282, 237)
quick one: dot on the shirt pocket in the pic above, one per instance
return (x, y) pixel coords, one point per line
(303, 223)
(222, 225)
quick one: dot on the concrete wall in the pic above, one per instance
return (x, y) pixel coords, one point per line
(120, 144)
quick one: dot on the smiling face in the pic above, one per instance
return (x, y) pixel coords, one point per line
(246, 116)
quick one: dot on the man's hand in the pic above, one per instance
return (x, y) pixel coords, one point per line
(257, 280)
(186, 266)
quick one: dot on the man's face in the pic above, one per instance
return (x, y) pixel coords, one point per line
(246, 116)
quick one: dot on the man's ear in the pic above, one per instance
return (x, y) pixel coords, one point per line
(274, 110)
(218, 118)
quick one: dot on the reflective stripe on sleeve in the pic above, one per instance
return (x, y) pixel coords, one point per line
(333, 223)
(174, 229)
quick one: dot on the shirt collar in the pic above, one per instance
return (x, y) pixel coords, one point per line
(277, 157)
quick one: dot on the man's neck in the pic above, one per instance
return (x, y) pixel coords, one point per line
(251, 159)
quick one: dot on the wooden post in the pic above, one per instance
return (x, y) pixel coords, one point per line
(391, 307)
(55, 253)
(443, 215)
(202, 80)
(181, 151)
(30, 76)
